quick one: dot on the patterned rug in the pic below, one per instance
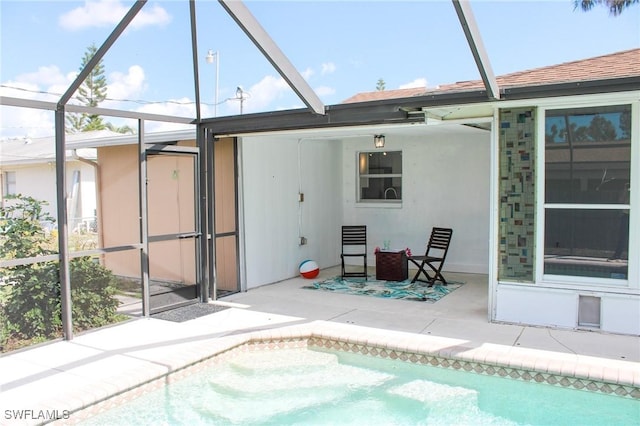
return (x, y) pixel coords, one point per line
(387, 289)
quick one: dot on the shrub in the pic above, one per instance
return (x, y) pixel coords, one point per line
(31, 307)
(93, 289)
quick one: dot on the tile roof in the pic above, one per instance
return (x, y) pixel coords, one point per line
(614, 65)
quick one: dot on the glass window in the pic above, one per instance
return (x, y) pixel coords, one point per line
(587, 189)
(9, 183)
(380, 176)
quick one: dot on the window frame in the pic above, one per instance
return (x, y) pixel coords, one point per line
(544, 206)
(373, 201)
(9, 186)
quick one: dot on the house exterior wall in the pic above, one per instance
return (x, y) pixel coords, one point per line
(274, 171)
(119, 216)
(554, 301)
(38, 180)
(445, 183)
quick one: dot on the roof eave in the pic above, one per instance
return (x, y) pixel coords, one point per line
(613, 85)
(396, 110)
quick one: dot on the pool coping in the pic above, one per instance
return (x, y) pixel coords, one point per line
(621, 378)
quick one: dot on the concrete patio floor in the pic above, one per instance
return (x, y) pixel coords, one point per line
(462, 314)
(68, 375)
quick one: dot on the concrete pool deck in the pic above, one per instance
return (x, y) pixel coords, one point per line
(62, 377)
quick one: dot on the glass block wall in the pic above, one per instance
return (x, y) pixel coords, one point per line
(517, 195)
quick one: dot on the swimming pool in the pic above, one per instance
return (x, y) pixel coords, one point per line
(316, 385)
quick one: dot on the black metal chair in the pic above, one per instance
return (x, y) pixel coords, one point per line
(434, 257)
(354, 244)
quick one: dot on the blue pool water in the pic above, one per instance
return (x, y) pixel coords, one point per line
(308, 387)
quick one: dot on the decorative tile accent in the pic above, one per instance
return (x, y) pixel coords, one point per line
(486, 369)
(517, 194)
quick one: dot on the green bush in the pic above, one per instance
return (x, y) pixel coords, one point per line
(93, 290)
(31, 307)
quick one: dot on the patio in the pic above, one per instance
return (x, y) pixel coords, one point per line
(67, 375)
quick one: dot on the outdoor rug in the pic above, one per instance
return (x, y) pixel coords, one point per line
(387, 289)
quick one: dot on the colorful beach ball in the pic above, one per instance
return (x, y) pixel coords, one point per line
(309, 269)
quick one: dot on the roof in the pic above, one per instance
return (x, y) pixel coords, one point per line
(611, 66)
(43, 150)
(27, 151)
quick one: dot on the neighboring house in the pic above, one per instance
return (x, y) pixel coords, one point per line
(27, 167)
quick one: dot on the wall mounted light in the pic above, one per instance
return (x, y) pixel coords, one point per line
(378, 141)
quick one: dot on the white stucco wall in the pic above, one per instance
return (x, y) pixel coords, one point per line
(559, 308)
(445, 183)
(273, 175)
(38, 180)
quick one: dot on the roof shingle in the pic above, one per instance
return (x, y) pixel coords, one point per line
(614, 65)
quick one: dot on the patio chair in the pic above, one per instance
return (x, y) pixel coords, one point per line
(434, 257)
(354, 244)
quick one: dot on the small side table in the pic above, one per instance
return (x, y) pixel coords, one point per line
(391, 265)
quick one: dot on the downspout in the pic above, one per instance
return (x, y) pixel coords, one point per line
(96, 171)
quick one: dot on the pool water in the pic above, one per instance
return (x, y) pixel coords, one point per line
(309, 387)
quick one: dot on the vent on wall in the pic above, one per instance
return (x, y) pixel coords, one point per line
(589, 311)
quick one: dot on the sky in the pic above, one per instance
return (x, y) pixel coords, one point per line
(340, 47)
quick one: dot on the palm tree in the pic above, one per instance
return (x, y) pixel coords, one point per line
(121, 129)
(615, 6)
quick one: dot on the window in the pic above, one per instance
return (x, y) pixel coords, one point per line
(9, 183)
(587, 189)
(380, 176)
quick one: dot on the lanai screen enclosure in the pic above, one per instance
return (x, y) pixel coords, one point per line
(489, 121)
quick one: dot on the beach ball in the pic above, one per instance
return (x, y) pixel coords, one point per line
(309, 269)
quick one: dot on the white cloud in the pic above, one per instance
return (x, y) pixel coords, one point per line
(25, 122)
(45, 75)
(30, 122)
(307, 74)
(418, 82)
(126, 86)
(183, 107)
(48, 84)
(108, 13)
(325, 91)
(261, 95)
(328, 68)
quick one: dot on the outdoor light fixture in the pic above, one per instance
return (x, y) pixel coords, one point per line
(378, 141)
(211, 55)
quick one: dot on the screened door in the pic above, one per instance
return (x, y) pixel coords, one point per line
(173, 227)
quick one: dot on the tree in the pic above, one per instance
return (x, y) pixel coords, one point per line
(616, 7)
(602, 130)
(380, 86)
(91, 92)
(121, 129)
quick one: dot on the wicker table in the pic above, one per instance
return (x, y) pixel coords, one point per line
(391, 265)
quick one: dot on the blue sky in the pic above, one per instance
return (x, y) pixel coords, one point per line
(340, 47)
